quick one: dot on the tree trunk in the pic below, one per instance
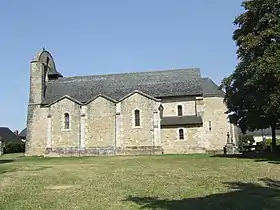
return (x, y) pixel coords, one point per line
(273, 143)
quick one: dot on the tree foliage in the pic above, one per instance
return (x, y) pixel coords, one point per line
(253, 89)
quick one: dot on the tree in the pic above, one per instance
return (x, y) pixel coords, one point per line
(253, 89)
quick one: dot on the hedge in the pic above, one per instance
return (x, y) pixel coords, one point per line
(245, 140)
(12, 147)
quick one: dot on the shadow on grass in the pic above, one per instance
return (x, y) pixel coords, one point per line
(6, 161)
(31, 169)
(241, 196)
(258, 157)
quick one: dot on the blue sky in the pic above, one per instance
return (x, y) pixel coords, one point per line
(108, 36)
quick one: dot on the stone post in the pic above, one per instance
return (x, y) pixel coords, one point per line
(229, 148)
(1, 147)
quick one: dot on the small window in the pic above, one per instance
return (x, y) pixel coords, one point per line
(180, 110)
(210, 126)
(161, 111)
(137, 117)
(181, 134)
(66, 121)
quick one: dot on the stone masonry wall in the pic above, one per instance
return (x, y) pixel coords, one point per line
(65, 137)
(210, 136)
(100, 123)
(36, 134)
(144, 134)
(215, 123)
(170, 105)
(36, 130)
(171, 143)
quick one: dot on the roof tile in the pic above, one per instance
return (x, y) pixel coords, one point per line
(158, 84)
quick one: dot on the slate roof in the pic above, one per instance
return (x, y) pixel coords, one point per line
(181, 120)
(261, 132)
(8, 136)
(22, 134)
(210, 88)
(158, 84)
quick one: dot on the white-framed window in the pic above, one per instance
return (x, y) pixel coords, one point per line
(179, 110)
(66, 121)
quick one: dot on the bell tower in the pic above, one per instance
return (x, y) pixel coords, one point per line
(42, 70)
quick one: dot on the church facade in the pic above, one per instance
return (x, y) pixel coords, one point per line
(156, 112)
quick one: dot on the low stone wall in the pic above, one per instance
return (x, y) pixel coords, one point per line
(103, 151)
(141, 150)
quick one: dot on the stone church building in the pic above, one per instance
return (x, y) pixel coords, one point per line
(154, 112)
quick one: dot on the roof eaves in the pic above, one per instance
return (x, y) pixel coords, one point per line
(100, 95)
(63, 97)
(141, 93)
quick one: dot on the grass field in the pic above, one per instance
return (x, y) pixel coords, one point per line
(144, 182)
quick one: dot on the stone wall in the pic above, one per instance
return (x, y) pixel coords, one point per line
(62, 137)
(144, 134)
(100, 123)
(104, 151)
(215, 123)
(36, 130)
(170, 105)
(192, 142)
(37, 116)
(211, 136)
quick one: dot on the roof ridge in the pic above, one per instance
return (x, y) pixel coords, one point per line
(136, 72)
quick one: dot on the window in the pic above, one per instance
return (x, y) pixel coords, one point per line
(180, 110)
(181, 134)
(66, 121)
(137, 117)
(210, 126)
(161, 111)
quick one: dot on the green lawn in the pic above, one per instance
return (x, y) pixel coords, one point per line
(144, 182)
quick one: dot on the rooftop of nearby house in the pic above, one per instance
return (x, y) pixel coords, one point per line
(261, 132)
(8, 136)
(158, 84)
(22, 134)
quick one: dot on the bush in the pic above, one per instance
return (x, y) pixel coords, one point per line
(12, 147)
(260, 146)
(269, 141)
(245, 140)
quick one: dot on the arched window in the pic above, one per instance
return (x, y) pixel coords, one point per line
(136, 117)
(181, 134)
(180, 110)
(66, 121)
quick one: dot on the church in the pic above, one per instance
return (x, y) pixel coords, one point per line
(154, 112)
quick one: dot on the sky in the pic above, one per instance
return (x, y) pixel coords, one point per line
(108, 36)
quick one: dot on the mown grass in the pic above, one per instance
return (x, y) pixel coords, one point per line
(143, 182)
